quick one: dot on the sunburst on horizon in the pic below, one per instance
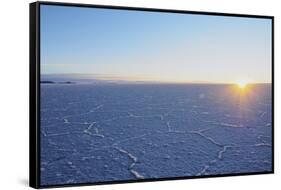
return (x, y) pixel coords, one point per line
(242, 84)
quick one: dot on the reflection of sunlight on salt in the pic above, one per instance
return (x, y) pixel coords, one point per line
(240, 102)
(242, 89)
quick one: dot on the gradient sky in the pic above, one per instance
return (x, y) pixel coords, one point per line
(154, 46)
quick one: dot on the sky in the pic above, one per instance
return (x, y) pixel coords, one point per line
(167, 47)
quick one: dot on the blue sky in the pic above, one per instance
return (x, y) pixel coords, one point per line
(136, 45)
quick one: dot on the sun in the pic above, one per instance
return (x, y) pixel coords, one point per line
(242, 84)
(242, 88)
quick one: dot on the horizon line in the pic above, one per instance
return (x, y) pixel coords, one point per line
(109, 77)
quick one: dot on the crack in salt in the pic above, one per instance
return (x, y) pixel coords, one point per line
(219, 157)
(206, 137)
(134, 159)
(88, 130)
(223, 151)
(263, 144)
(169, 126)
(91, 111)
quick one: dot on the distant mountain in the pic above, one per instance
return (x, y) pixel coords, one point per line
(67, 82)
(53, 82)
(47, 82)
(69, 79)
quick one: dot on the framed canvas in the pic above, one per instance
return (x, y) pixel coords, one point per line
(126, 94)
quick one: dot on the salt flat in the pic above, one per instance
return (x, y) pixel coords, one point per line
(93, 133)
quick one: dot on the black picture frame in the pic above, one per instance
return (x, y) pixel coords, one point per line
(34, 89)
